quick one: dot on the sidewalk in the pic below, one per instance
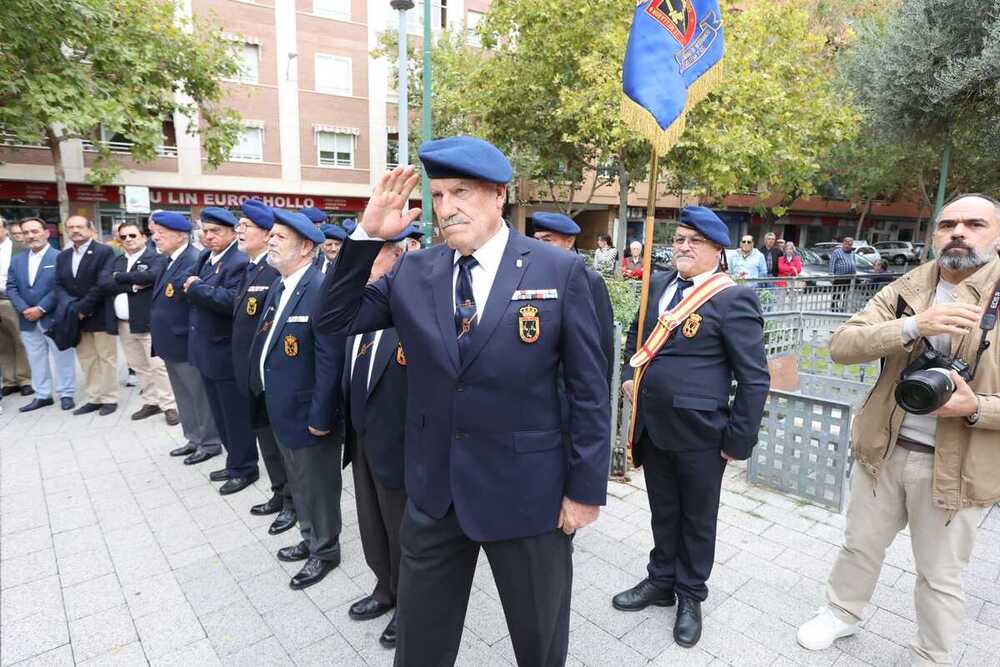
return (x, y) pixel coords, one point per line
(112, 552)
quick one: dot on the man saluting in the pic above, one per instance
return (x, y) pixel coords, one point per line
(485, 320)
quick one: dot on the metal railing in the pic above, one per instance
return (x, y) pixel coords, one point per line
(840, 294)
(125, 148)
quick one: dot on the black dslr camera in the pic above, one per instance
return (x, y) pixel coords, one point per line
(926, 383)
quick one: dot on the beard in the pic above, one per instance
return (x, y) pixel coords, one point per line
(973, 258)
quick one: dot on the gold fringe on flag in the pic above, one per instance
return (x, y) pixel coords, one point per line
(643, 122)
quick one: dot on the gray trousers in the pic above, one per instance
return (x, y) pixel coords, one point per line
(314, 475)
(193, 408)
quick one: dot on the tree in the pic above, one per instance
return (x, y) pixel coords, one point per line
(70, 67)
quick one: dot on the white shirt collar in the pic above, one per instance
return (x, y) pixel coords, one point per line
(292, 281)
(40, 252)
(491, 252)
(83, 248)
(177, 253)
(701, 277)
(258, 258)
(135, 256)
(215, 258)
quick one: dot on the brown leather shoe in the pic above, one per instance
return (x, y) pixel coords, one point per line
(145, 411)
(171, 416)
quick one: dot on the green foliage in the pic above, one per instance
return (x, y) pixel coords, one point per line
(68, 67)
(624, 299)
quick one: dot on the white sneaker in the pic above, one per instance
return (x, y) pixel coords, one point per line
(823, 629)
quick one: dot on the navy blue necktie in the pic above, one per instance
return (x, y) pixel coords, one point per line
(679, 292)
(359, 382)
(465, 302)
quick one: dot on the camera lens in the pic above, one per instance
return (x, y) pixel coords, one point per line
(924, 391)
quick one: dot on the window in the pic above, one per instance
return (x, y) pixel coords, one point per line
(415, 17)
(333, 9)
(250, 146)
(333, 74)
(472, 20)
(392, 150)
(249, 55)
(335, 150)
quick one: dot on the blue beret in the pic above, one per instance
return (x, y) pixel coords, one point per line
(349, 225)
(556, 222)
(414, 231)
(219, 216)
(333, 232)
(258, 213)
(171, 220)
(302, 225)
(314, 214)
(465, 157)
(705, 221)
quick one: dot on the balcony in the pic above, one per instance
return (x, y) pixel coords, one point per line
(125, 148)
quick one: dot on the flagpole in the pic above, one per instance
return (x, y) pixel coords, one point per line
(647, 247)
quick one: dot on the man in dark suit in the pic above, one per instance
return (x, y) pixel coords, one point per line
(331, 246)
(295, 376)
(212, 293)
(169, 326)
(485, 322)
(14, 366)
(130, 288)
(375, 388)
(31, 288)
(251, 234)
(772, 253)
(684, 429)
(80, 270)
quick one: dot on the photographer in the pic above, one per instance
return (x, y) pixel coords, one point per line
(926, 439)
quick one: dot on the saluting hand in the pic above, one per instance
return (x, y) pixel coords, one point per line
(384, 217)
(574, 515)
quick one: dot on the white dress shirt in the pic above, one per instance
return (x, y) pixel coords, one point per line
(668, 293)
(290, 283)
(121, 300)
(34, 262)
(371, 355)
(6, 250)
(78, 254)
(213, 259)
(175, 254)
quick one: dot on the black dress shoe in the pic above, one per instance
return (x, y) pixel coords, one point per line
(641, 596)
(272, 506)
(388, 636)
(26, 390)
(687, 627)
(285, 520)
(312, 573)
(291, 554)
(171, 417)
(67, 403)
(87, 408)
(7, 391)
(107, 409)
(199, 456)
(35, 404)
(368, 608)
(146, 411)
(219, 475)
(236, 484)
(184, 451)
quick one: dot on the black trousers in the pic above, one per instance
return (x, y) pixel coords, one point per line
(275, 466)
(232, 417)
(314, 473)
(534, 576)
(683, 490)
(380, 514)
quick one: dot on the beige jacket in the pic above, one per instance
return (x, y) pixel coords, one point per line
(967, 458)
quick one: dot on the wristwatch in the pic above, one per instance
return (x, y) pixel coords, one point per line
(974, 417)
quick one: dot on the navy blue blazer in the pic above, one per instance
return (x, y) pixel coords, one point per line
(484, 433)
(43, 293)
(684, 399)
(385, 410)
(170, 309)
(249, 302)
(211, 319)
(94, 269)
(143, 274)
(302, 367)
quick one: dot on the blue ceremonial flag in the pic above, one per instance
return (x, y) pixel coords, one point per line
(673, 60)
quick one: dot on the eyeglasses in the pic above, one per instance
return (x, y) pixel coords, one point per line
(123, 237)
(745, 242)
(693, 241)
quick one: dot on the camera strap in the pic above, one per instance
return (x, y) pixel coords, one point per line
(987, 324)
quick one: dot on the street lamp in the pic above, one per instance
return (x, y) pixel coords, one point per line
(402, 152)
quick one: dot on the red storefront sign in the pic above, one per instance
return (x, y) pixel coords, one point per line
(28, 191)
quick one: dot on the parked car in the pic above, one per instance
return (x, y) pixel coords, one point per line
(898, 252)
(824, 249)
(861, 248)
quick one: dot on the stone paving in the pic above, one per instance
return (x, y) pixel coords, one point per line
(112, 552)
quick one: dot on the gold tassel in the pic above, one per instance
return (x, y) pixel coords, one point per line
(643, 122)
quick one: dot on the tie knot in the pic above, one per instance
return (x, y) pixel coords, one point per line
(684, 284)
(468, 261)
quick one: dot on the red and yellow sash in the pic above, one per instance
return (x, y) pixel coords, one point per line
(665, 325)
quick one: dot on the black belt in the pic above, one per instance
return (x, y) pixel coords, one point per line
(914, 446)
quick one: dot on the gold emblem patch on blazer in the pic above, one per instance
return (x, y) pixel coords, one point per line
(691, 325)
(252, 306)
(400, 355)
(529, 326)
(291, 346)
(169, 291)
